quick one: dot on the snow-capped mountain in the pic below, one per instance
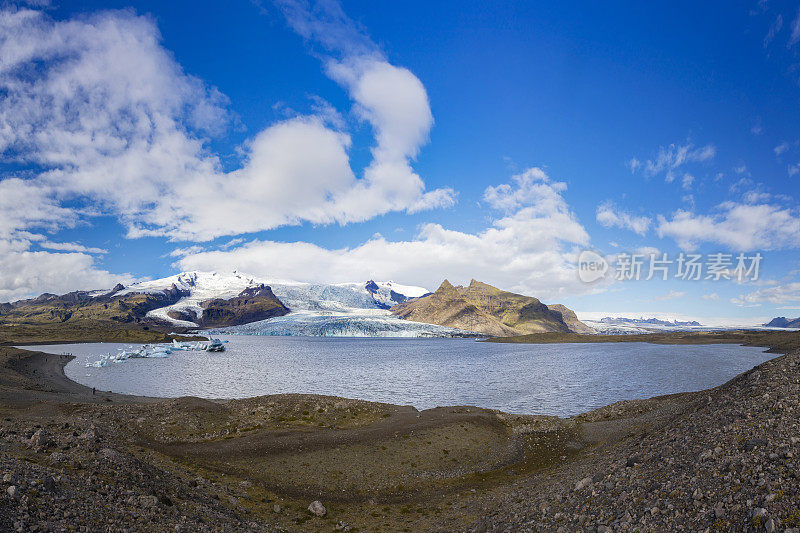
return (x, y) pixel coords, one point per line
(362, 303)
(198, 287)
(342, 296)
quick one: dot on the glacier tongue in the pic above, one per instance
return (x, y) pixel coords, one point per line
(379, 323)
(343, 310)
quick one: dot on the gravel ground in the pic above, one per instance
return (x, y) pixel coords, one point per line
(725, 459)
(72, 478)
(728, 460)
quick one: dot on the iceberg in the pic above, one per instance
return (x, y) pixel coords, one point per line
(156, 351)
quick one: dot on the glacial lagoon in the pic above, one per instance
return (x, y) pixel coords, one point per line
(555, 379)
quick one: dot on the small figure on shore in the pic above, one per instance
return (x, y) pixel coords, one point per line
(93, 391)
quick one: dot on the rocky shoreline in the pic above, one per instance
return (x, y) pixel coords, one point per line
(725, 459)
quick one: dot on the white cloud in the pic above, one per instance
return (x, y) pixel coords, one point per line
(531, 249)
(794, 38)
(687, 181)
(609, 216)
(780, 294)
(26, 205)
(71, 247)
(25, 273)
(756, 196)
(793, 170)
(112, 119)
(181, 252)
(530, 187)
(781, 148)
(671, 295)
(648, 250)
(674, 156)
(741, 227)
(774, 28)
(712, 296)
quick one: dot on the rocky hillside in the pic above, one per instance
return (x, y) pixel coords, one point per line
(783, 322)
(489, 310)
(252, 304)
(81, 306)
(129, 306)
(205, 299)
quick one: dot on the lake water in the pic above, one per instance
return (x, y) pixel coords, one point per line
(557, 379)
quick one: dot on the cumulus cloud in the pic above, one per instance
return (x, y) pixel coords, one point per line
(740, 227)
(106, 122)
(24, 205)
(112, 119)
(532, 187)
(609, 216)
(788, 293)
(531, 249)
(25, 273)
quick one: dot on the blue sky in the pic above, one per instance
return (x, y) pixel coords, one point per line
(417, 141)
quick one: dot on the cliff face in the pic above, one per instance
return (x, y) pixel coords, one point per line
(571, 319)
(486, 309)
(252, 304)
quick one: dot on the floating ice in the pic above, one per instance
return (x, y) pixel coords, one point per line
(157, 351)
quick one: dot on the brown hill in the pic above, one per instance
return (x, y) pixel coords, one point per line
(85, 306)
(486, 309)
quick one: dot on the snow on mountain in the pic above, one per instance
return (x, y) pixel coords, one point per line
(342, 296)
(201, 286)
(322, 299)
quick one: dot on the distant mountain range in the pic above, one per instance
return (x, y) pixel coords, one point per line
(485, 309)
(237, 303)
(783, 322)
(648, 321)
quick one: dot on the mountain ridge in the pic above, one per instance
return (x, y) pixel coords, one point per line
(783, 322)
(199, 299)
(486, 309)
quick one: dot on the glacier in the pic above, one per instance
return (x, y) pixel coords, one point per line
(355, 309)
(297, 296)
(379, 323)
